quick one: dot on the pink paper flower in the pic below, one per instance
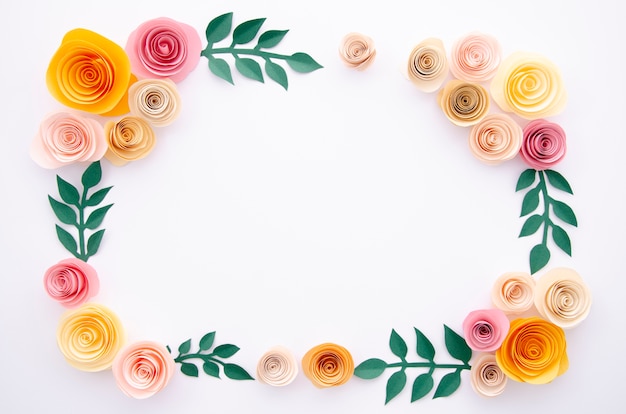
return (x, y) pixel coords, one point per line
(142, 369)
(475, 58)
(544, 144)
(71, 282)
(163, 48)
(485, 329)
(495, 139)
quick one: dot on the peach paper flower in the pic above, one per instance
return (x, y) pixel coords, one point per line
(129, 139)
(487, 378)
(328, 365)
(562, 297)
(463, 103)
(156, 100)
(164, 48)
(89, 337)
(65, 138)
(357, 51)
(544, 144)
(495, 139)
(428, 65)
(71, 282)
(485, 329)
(142, 369)
(277, 367)
(475, 57)
(513, 292)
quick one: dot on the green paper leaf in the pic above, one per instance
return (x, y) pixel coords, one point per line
(68, 192)
(303, 63)
(235, 372)
(93, 244)
(92, 175)
(530, 202)
(207, 341)
(95, 218)
(97, 197)
(561, 239)
(448, 384)
(249, 68)
(246, 31)
(219, 67)
(531, 225)
(185, 347)
(67, 240)
(225, 350)
(422, 386)
(189, 369)
(370, 369)
(456, 345)
(276, 73)
(526, 179)
(397, 345)
(558, 181)
(395, 384)
(539, 257)
(564, 212)
(270, 38)
(211, 368)
(424, 347)
(219, 28)
(64, 213)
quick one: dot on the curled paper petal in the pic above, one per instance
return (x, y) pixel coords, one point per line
(328, 365)
(529, 85)
(428, 65)
(164, 48)
(357, 51)
(487, 378)
(475, 57)
(65, 138)
(156, 100)
(129, 139)
(562, 297)
(534, 351)
(464, 103)
(495, 139)
(142, 369)
(513, 292)
(71, 282)
(485, 329)
(544, 144)
(89, 337)
(90, 73)
(277, 367)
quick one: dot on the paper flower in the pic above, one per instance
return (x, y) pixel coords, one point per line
(156, 100)
(277, 367)
(463, 103)
(529, 85)
(428, 65)
(129, 139)
(544, 144)
(534, 351)
(485, 329)
(487, 378)
(65, 138)
(164, 48)
(495, 139)
(71, 282)
(89, 337)
(142, 369)
(328, 365)
(475, 57)
(562, 297)
(513, 292)
(91, 73)
(357, 51)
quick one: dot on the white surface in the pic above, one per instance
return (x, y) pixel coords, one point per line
(337, 211)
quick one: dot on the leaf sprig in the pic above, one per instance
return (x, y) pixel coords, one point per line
(540, 254)
(72, 211)
(219, 28)
(424, 383)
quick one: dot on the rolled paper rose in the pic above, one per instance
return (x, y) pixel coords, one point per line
(129, 139)
(90, 73)
(487, 378)
(428, 65)
(142, 369)
(513, 292)
(328, 365)
(357, 51)
(529, 85)
(464, 103)
(544, 144)
(534, 351)
(71, 282)
(562, 297)
(277, 367)
(89, 337)
(156, 100)
(65, 138)
(485, 329)
(475, 57)
(164, 48)
(495, 139)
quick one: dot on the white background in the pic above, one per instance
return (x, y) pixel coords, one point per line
(335, 211)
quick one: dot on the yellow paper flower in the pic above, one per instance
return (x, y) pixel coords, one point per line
(328, 365)
(534, 351)
(464, 103)
(129, 139)
(428, 65)
(91, 73)
(90, 337)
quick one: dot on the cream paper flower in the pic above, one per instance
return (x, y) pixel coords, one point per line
(277, 367)
(357, 51)
(562, 297)
(428, 65)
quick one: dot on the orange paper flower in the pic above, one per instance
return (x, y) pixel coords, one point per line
(328, 365)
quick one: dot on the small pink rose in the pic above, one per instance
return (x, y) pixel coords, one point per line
(71, 282)
(485, 329)
(475, 57)
(164, 48)
(544, 144)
